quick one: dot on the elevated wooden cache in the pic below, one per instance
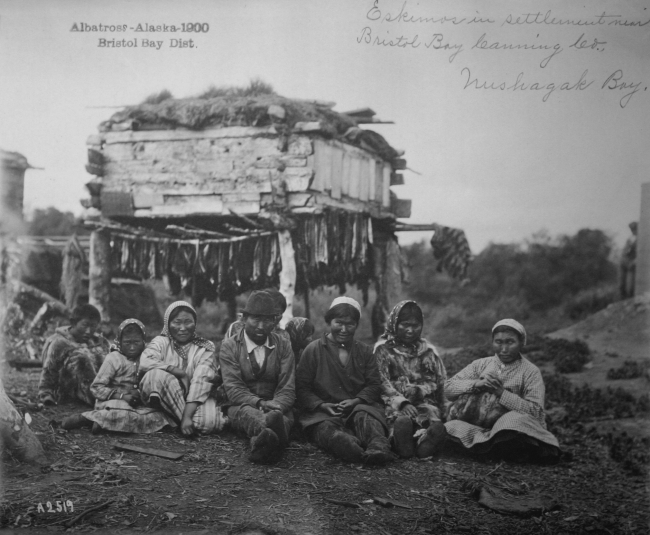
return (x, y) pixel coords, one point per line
(175, 173)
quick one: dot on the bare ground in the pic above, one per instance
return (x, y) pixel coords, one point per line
(214, 489)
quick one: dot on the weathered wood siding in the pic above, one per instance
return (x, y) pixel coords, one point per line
(178, 172)
(345, 171)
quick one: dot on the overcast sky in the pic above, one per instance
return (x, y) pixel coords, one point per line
(499, 163)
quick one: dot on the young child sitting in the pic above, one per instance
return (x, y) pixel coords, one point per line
(116, 390)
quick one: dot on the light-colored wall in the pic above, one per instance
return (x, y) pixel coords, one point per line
(177, 172)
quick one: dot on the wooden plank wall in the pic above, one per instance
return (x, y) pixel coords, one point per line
(177, 172)
(345, 171)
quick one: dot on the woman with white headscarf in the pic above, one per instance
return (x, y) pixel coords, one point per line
(338, 387)
(180, 369)
(498, 402)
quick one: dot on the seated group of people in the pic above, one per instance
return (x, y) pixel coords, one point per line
(358, 403)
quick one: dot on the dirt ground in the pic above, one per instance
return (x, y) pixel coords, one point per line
(622, 330)
(619, 332)
(214, 489)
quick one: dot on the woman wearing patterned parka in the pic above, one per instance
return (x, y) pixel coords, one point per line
(499, 402)
(413, 378)
(71, 358)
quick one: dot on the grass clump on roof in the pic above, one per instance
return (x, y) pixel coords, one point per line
(226, 106)
(255, 88)
(157, 98)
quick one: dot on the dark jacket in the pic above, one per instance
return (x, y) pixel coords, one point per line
(275, 381)
(321, 378)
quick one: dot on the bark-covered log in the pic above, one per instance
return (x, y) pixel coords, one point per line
(15, 435)
(53, 302)
(288, 273)
(99, 273)
(388, 279)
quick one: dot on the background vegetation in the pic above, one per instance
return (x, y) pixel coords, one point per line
(545, 282)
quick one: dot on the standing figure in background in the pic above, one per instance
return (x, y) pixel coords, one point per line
(71, 358)
(301, 333)
(628, 264)
(339, 391)
(180, 369)
(258, 372)
(413, 380)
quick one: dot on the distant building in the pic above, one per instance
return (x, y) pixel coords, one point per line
(12, 183)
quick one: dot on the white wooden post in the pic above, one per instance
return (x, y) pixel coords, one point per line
(99, 273)
(288, 273)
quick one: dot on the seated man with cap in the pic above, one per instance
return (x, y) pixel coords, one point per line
(258, 377)
(280, 303)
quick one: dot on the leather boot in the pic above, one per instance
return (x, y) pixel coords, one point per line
(432, 442)
(275, 422)
(337, 442)
(373, 435)
(346, 447)
(264, 447)
(76, 421)
(403, 441)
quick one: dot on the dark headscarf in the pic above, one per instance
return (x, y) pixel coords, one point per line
(299, 329)
(390, 335)
(182, 350)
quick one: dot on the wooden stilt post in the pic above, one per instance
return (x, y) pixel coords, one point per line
(392, 273)
(99, 273)
(379, 312)
(388, 278)
(288, 273)
(307, 305)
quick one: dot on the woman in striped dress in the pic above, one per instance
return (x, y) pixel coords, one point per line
(499, 402)
(180, 370)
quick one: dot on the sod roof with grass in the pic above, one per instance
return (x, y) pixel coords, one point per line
(256, 105)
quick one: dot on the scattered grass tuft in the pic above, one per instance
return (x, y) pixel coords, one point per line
(157, 98)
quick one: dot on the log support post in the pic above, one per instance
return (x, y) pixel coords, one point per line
(99, 273)
(388, 278)
(288, 273)
(307, 304)
(16, 436)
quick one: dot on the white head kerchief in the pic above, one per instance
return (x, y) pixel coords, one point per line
(346, 301)
(513, 325)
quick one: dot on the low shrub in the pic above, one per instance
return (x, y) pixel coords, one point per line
(568, 355)
(591, 301)
(585, 402)
(633, 453)
(630, 369)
